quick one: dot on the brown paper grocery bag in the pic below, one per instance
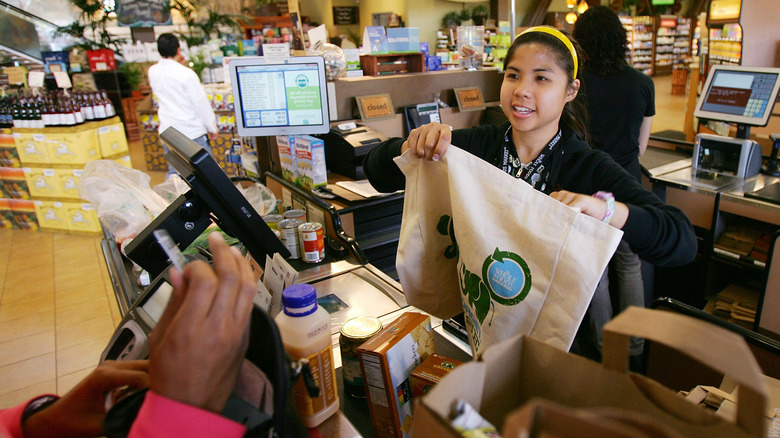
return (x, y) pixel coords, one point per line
(515, 261)
(513, 372)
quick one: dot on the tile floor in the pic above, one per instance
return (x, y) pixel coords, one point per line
(57, 306)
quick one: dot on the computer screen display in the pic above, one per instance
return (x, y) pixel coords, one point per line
(739, 94)
(279, 97)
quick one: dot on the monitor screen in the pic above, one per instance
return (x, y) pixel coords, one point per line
(279, 97)
(744, 95)
(213, 197)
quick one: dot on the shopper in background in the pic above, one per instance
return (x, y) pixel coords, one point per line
(621, 104)
(195, 355)
(542, 143)
(182, 101)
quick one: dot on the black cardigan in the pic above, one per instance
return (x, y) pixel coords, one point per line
(659, 233)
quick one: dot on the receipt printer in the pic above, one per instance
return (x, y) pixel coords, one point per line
(346, 145)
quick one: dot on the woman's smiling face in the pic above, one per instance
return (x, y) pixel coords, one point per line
(535, 90)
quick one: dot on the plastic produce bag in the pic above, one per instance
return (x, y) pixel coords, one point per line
(124, 202)
(171, 188)
(259, 196)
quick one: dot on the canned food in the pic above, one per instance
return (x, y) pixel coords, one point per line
(354, 332)
(288, 233)
(312, 242)
(272, 220)
(295, 214)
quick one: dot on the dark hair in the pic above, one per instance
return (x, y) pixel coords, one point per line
(167, 45)
(603, 40)
(574, 117)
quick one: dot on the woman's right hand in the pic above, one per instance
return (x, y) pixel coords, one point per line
(428, 141)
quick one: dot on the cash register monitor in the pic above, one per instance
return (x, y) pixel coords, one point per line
(279, 97)
(213, 196)
(739, 94)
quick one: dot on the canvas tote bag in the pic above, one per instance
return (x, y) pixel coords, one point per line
(476, 240)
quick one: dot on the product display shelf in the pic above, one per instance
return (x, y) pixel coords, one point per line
(628, 25)
(52, 161)
(392, 63)
(643, 44)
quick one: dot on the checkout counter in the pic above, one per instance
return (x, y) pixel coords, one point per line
(669, 172)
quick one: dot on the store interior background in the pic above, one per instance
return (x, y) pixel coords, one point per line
(57, 305)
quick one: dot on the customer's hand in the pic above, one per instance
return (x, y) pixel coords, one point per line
(80, 412)
(428, 141)
(197, 347)
(213, 136)
(593, 206)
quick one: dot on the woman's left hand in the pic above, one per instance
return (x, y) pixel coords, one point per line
(593, 207)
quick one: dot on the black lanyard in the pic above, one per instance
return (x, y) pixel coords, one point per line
(536, 172)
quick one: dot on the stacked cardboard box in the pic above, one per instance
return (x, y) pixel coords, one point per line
(51, 161)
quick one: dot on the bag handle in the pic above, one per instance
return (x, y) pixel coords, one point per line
(708, 343)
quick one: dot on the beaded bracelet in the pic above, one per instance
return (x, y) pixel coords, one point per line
(609, 198)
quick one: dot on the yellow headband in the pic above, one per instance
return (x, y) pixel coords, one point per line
(557, 34)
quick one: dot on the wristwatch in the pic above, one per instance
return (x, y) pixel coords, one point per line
(609, 198)
(37, 405)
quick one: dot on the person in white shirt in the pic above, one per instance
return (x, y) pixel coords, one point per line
(182, 100)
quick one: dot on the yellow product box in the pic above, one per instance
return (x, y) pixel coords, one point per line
(82, 218)
(112, 139)
(124, 160)
(52, 215)
(387, 361)
(32, 148)
(286, 146)
(78, 147)
(68, 182)
(42, 183)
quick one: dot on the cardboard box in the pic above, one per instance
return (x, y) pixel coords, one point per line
(387, 361)
(51, 215)
(9, 156)
(112, 139)
(67, 181)
(31, 148)
(310, 162)
(428, 374)
(82, 218)
(14, 183)
(24, 214)
(286, 146)
(124, 160)
(42, 183)
(6, 214)
(73, 148)
(101, 60)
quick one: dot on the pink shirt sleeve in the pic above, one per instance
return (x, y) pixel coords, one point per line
(161, 416)
(11, 420)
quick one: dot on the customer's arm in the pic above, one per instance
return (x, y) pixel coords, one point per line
(200, 104)
(197, 347)
(644, 134)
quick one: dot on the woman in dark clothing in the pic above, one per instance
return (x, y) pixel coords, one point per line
(621, 103)
(542, 144)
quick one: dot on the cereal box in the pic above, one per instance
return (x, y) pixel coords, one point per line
(310, 162)
(387, 361)
(286, 145)
(433, 369)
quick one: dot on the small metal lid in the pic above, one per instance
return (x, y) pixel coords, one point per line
(361, 327)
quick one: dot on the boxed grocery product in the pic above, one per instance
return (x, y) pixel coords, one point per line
(73, 146)
(310, 162)
(51, 215)
(41, 182)
(67, 181)
(82, 218)
(101, 60)
(6, 215)
(124, 160)
(55, 61)
(286, 146)
(14, 183)
(428, 374)
(9, 156)
(387, 361)
(112, 139)
(31, 147)
(78, 60)
(24, 214)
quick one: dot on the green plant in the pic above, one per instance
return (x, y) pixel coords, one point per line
(93, 16)
(198, 63)
(202, 21)
(133, 74)
(354, 37)
(451, 20)
(479, 14)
